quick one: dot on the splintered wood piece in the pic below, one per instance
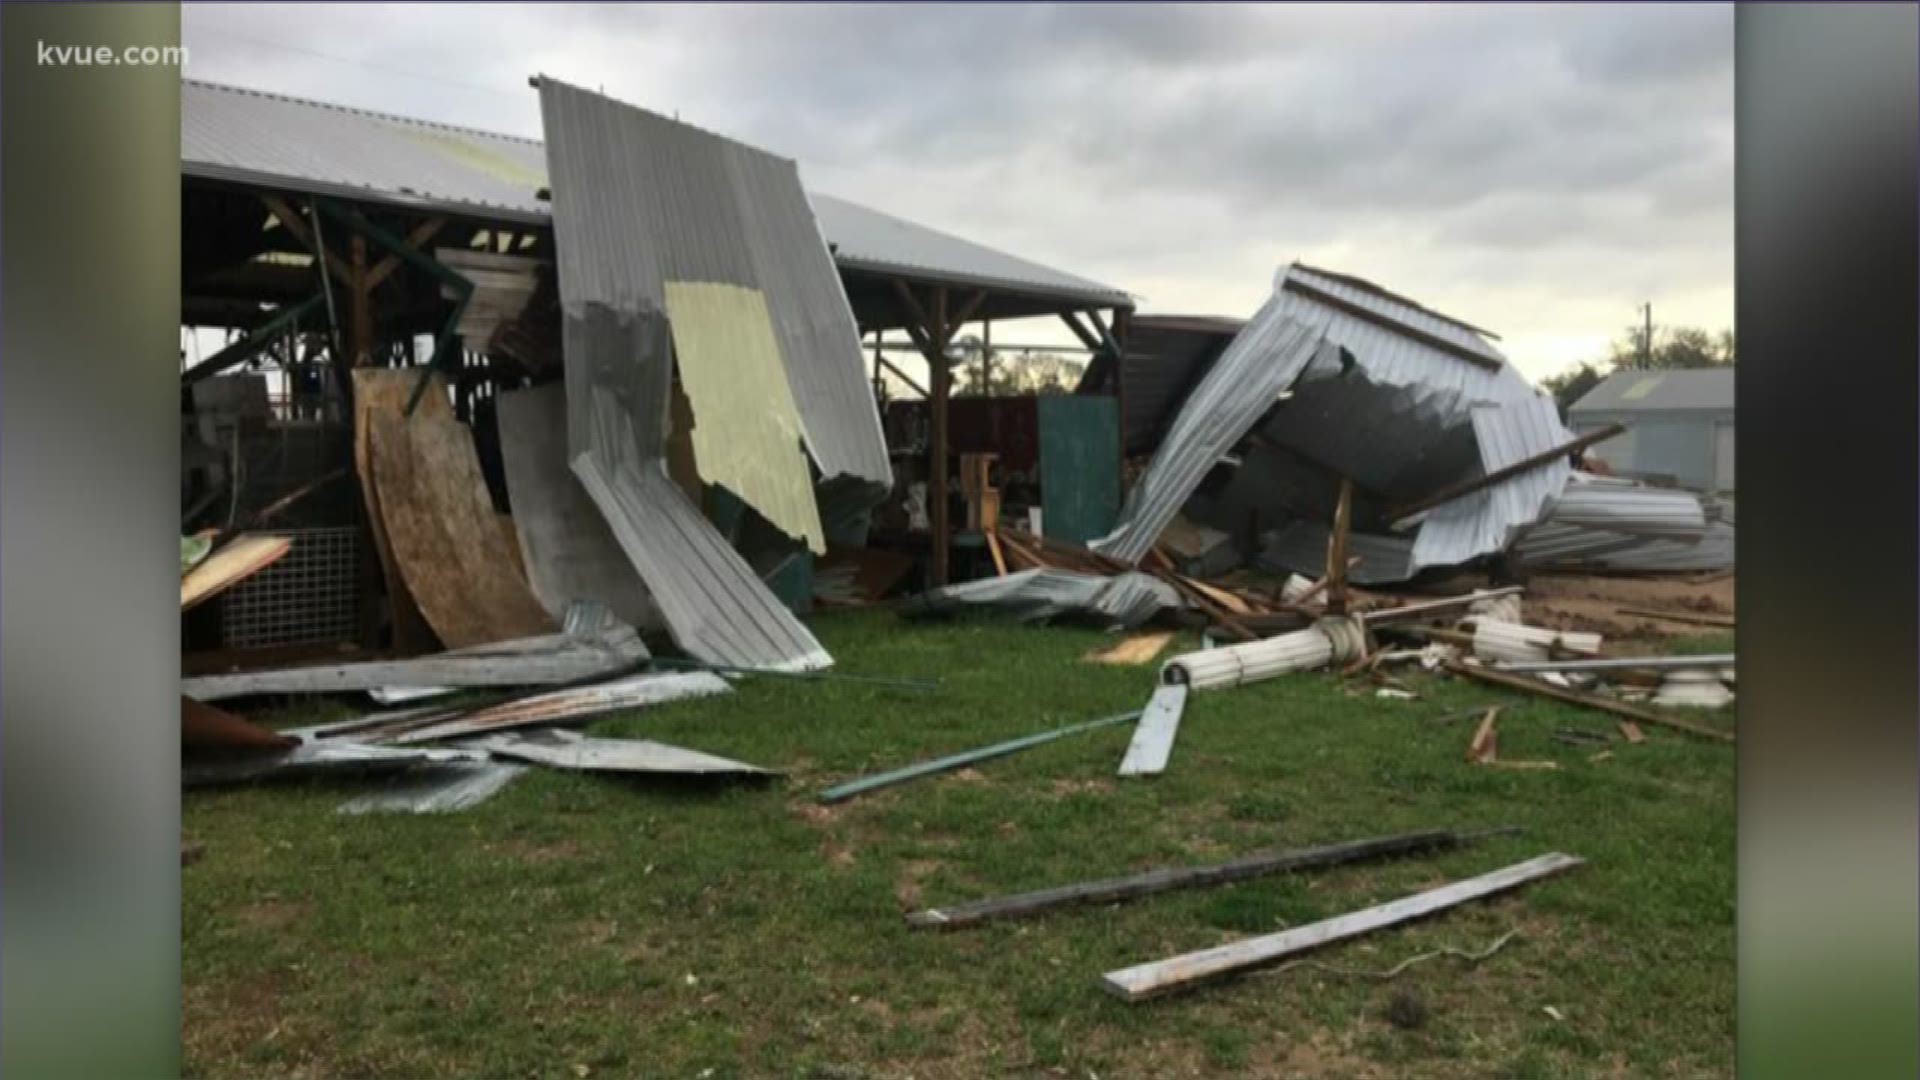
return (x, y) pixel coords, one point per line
(1134, 649)
(1485, 747)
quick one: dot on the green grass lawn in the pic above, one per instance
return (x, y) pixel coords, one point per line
(579, 926)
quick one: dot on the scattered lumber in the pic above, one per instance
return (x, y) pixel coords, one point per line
(1485, 746)
(1134, 649)
(1186, 971)
(1166, 879)
(1575, 697)
(237, 561)
(1695, 617)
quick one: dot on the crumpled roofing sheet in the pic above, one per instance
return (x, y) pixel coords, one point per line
(570, 552)
(550, 658)
(1416, 401)
(438, 789)
(562, 749)
(1610, 523)
(1489, 519)
(631, 211)
(1038, 595)
(1264, 359)
(672, 203)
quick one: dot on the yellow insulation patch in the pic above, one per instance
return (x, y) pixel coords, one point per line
(746, 430)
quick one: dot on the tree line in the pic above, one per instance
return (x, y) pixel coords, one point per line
(1671, 347)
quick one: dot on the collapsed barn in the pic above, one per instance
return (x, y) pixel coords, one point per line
(439, 253)
(488, 389)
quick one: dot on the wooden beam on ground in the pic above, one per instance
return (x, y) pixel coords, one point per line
(1150, 882)
(1467, 487)
(1724, 622)
(1575, 697)
(1184, 972)
(1337, 550)
(1205, 603)
(1485, 745)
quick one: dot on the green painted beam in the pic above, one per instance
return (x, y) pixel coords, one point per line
(966, 757)
(258, 338)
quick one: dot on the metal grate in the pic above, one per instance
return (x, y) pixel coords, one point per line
(310, 595)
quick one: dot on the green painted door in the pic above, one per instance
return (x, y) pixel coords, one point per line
(1079, 466)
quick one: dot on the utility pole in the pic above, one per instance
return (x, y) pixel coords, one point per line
(1646, 339)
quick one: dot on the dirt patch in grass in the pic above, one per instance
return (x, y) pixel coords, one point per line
(273, 913)
(1063, 788)
(907, 887)
(538, 852)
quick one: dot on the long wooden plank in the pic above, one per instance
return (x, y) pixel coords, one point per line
(1153, 737)
(238, 561)
(1165, 879)
(1695, 617)
(1574, 697)
(966, 757)
(1177, 973)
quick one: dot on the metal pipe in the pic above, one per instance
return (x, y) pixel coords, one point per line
(1425, 606)
(966, 757)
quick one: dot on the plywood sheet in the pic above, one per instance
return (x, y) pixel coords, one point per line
(446, 540)
(384, 391)
(747, 435)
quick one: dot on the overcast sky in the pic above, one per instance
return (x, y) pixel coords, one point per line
(1536, 171)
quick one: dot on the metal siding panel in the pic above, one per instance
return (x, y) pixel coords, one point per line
(606, 194)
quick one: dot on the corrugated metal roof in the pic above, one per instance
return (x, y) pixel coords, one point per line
(1426, 401)
(1656, 391)
(628, 218)
(1488, 520)
(866, 239)
(1617, 505)
(272, 140)
(1383, 305)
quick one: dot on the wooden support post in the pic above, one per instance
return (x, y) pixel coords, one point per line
(1337, 550)
(359, 305)
(1122, 317)
(939, 334)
